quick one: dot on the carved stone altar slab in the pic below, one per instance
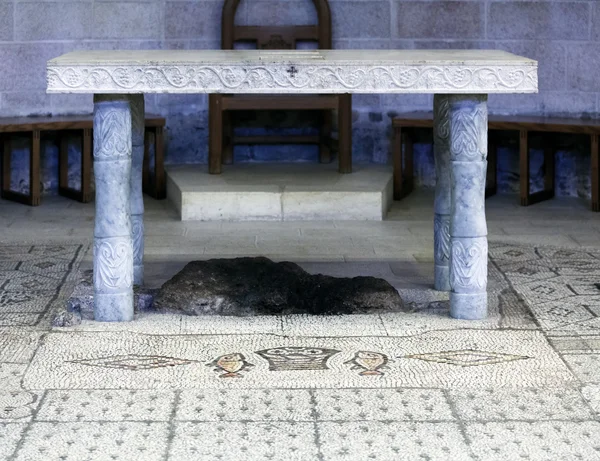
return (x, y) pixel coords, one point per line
(319, 71)
(460, 79)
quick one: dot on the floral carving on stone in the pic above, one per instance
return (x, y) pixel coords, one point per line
(441, 230)
(469, 264)
(111, 128)
(114, 263)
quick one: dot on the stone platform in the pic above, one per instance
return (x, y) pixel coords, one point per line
(280, 192)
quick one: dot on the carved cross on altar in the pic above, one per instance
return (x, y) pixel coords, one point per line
(292, 71)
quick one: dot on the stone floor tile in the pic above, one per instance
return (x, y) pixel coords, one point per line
(109, 405)
(333, 325)
(17, 406)
(381, 405)
(221, 325)
(392, 441)
(244, 405)
(522, 404)
(97, 441)
(148, 323)
(408, 324)
(11, 375)
(535, 441)
(568, 343)
(277, 441)
(591, 393)
(585, 366)
(18, 319)
(18, 346)
(10, 434)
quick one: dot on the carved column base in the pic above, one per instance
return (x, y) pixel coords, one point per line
(468, 306)
(441, 237)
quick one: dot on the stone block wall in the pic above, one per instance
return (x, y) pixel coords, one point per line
(564, 36)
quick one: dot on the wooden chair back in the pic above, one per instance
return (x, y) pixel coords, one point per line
(275, 37)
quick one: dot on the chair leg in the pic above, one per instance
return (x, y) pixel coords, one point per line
(146, 186)
(345, 133)
(549, 158)
(227, 152)
(524, 167)
(215, 133)
(397, 162)
(595, 172)
(6, 164)
(325, 135)
(34, 169)
(160, 182)
(409, 173)
(86, 166)
(492, 166)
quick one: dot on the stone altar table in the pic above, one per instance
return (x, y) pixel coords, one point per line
(459, 80)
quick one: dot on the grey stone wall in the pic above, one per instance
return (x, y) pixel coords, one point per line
(564, 36)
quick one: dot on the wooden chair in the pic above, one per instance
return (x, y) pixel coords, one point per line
(221, 136)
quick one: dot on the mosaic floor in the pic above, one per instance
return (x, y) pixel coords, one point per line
(522, 384)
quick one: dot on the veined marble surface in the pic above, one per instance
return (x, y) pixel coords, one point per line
(292, 71)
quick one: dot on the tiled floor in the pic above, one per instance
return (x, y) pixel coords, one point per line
(523, 384)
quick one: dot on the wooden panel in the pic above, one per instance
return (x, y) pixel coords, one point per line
(524, 167)
(63, 122)
(345, 134)
(595, 151)
(511, 122)
(397, 162)
(277, 139)
(86, 166)
(34, 169)
(215, 133)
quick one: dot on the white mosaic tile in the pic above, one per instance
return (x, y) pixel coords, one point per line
(18, 346)
(333, 325)
(585, 366)
(147, 323)
(278, 441)
(381, 405)
(410, 324)
(522, 404)
(244, 405)
(18, 319)
(446, 359)
(17, 406)
(11, 375)
(25, 301)
(591, 394)
(10, 434)
(222, 325)
(109, 405)
(392, 441)
(537, 441)
(95, 441)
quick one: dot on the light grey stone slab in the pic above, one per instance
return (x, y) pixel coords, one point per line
(371, 19)
(585, 366)
(539, 20)
(113, 20)
(10, 434)
(98, 441)
(524, 404)
(537, 440)
(280, 441)
(46, 21)
(254, 71)
(110, 405)
(6, 21)
(390, 441)
(442, 19)
(17, 406)
(244, 405)
(192, 20)
(381, 405)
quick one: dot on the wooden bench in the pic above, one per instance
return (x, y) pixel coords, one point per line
(402, 137)
(59, 127)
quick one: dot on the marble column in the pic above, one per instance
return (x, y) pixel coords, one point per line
(113, 247)
(137, 200)
(442, 203)
(468, 120)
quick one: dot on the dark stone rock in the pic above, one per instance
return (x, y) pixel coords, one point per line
(259, 286)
